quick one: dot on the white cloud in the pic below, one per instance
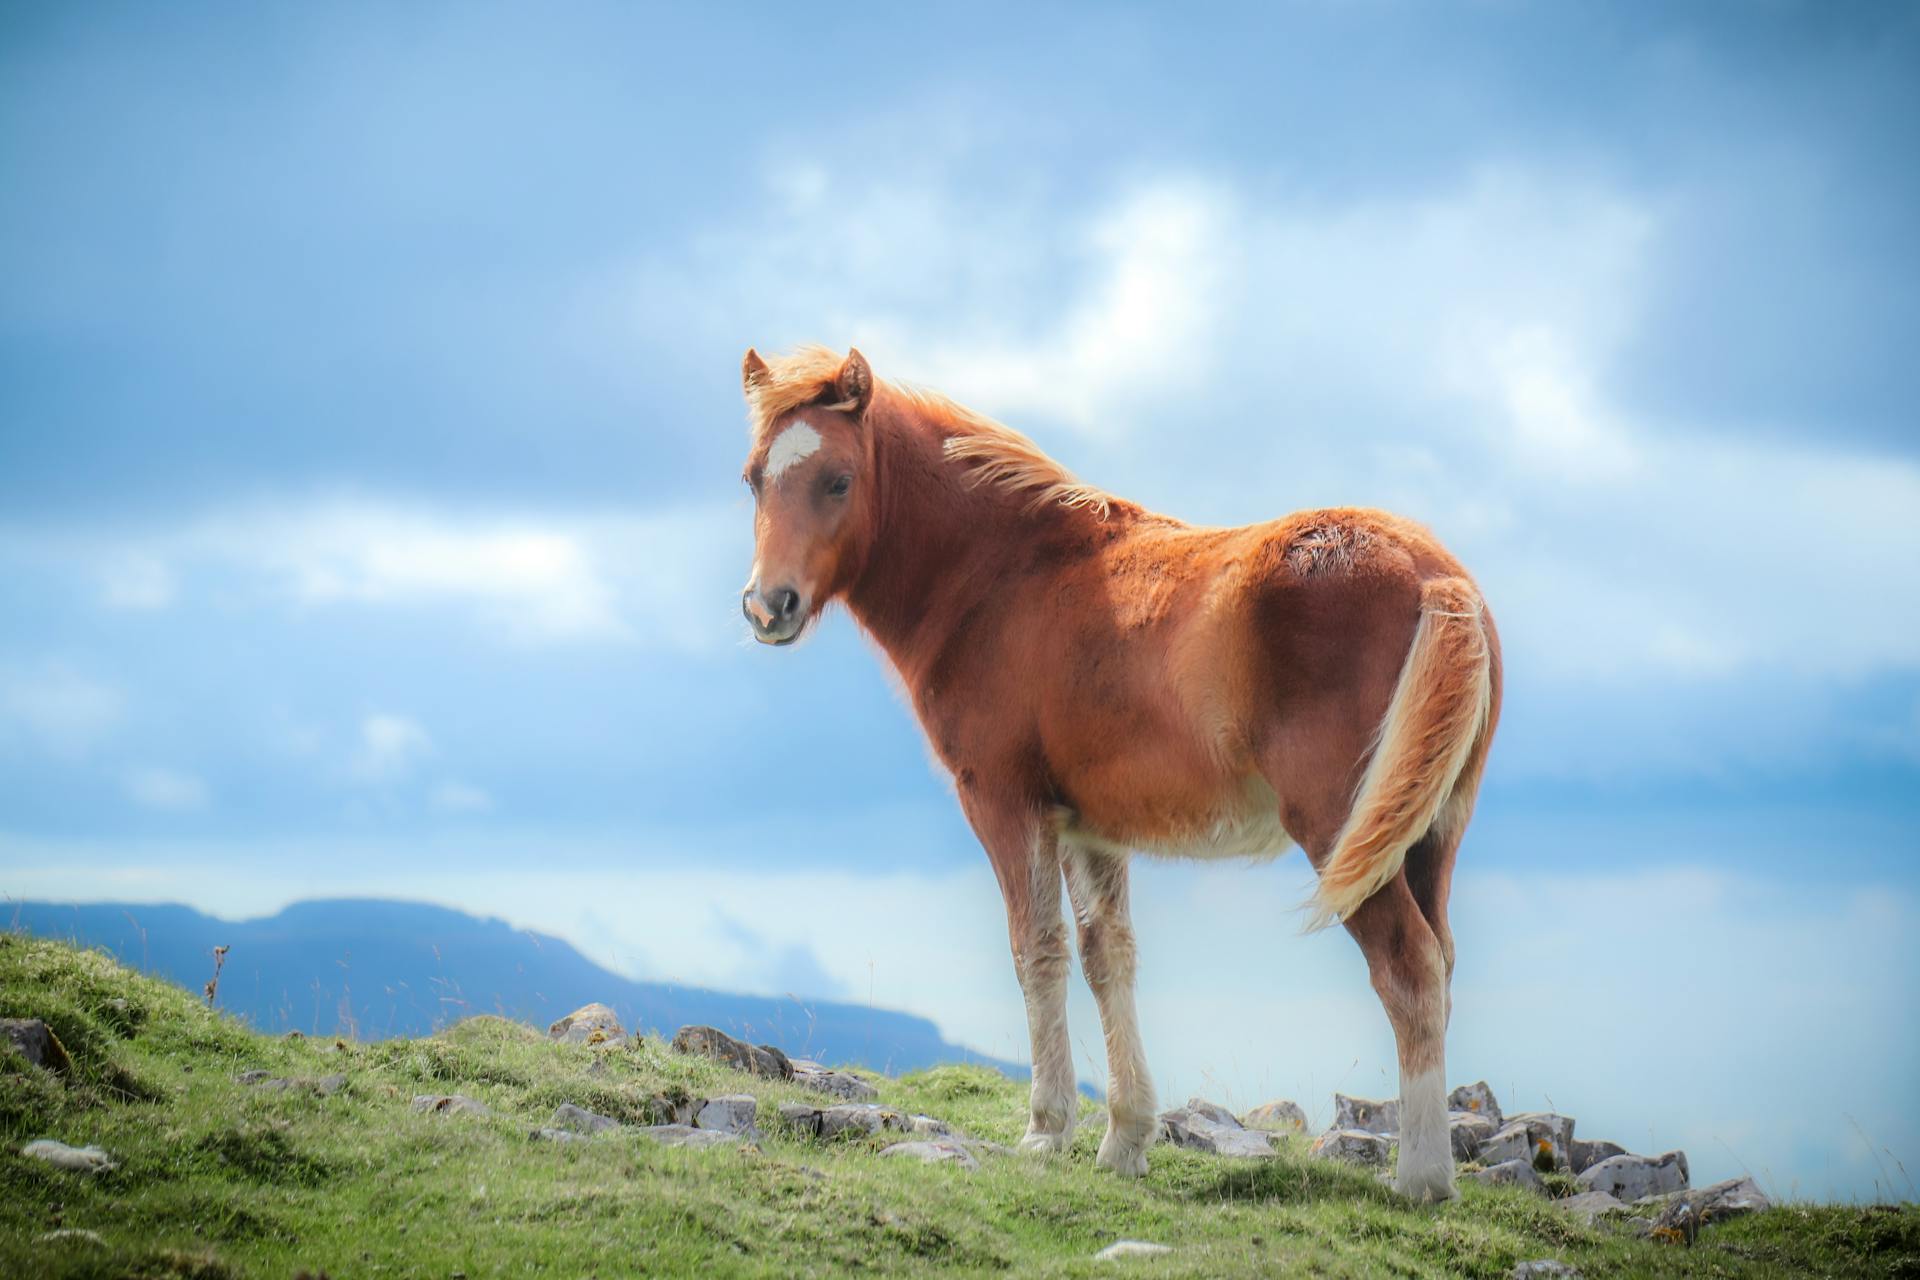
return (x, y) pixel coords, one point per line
(166, 790)
(663, 578)
(389, 749)
(136, 581)
(57, 709)
(459, 798)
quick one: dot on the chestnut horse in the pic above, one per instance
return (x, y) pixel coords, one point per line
(1101, 680)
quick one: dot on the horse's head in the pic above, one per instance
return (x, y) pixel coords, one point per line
(810, 471)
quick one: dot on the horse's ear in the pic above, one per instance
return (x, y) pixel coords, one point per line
(853, 385)
(753, 370)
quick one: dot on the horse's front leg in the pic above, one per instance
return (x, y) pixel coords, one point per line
(1097, 883)
(1024, 850)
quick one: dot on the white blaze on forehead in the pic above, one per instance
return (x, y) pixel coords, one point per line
(796, 444)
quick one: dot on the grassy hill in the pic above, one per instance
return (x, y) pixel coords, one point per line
(215, 1178)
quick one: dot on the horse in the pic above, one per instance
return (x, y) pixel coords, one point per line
(1101, 680)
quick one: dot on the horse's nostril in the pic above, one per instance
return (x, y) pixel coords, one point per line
(786, 601)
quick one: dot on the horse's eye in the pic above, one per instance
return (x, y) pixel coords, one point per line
(839, 487)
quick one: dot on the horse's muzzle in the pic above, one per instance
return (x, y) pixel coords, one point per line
(776, 616)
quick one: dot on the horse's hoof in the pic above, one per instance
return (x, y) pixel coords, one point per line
(1124, 1159)
(1427, 1190)
(1045, 1143)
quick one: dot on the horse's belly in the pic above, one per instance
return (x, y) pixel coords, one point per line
(1243, 823)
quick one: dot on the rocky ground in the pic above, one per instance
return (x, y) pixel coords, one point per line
(144, 1135)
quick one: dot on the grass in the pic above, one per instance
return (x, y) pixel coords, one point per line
(219, 1180)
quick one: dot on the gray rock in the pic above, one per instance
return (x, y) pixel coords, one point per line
(680, 1135)
(1543, 1269)
(841, 1084)
(327, 1086)
(1550, 1128)
(1276, 1117)
(450, 1104)
(264, 1082)
(72, 1159)
(730, 1113)
(756, 1059)
(1131, 1249)
(253, 1077)
(1206, 1126)
(1634, 1177)
(935, 1151)
(1355, 1146)
(1477, 1098)
(1723, 1200)
(1509, 1173)
(1481, 1127)
(558, 1135)
(1535, 1137)
(34, 1040)
(1583, 1155)
(1465, 1130)
(579, 1120)
(664, 1110)
(1589, 1205)
(589, 1024)
(1365, 1114)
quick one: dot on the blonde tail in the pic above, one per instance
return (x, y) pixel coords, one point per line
(1439, 709)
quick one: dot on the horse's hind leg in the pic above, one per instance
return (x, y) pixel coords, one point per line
(1409, 972)
(1097, 883)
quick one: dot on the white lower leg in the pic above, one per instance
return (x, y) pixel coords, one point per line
(1054, 1102)
(1425, 1169)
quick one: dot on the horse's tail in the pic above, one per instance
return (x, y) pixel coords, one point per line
(1439, 711)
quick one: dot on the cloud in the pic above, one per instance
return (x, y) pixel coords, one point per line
(57, 709)
(459, 798)
(656, 578)
(390, 747)
(166, 790)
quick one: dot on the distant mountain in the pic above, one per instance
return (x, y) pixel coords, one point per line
(374, 969)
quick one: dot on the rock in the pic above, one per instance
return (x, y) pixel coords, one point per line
(1551, 1132)
(1355, 1146)
(757, 1059)
(579, 1120)
(1729, 1199)
(589, 1024)
(1543, 1269)
(937, 1151)
(266, 1082)
(72, 1159)
(549, 1134)
(1365, 1114)
(664, 1110)
(327, 1086)
(680, 1135)
(34, 1040)
(1583, 1155)
(1131, 1249)
(1465, 1131)
(450, 1104)
(731, 1113)
(1509, 1173)
(1276, 1117)
(1631, 1177)
(1589, 1205)
(253, 1077)
(858, 1117)
(1477, 1098)
(841, 1084)
(1206, 1126)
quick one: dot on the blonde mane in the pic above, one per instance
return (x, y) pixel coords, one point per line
(1002, 456)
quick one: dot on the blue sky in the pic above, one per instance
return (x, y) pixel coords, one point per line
(370, 522)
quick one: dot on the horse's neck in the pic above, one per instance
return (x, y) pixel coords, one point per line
(939, 543)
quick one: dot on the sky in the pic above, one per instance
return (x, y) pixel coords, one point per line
(370, 521)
